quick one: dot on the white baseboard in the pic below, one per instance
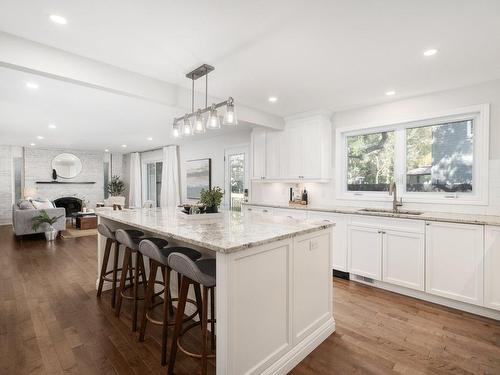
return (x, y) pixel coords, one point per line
(291, 359)
(473, 309)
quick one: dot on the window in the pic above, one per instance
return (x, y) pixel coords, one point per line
(439, 158)
(370, 161)
(430, 160)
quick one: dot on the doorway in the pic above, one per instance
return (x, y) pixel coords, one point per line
(236, 176)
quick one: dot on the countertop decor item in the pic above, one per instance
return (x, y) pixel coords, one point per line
(44, 218)
(185, 126)
(211, 198)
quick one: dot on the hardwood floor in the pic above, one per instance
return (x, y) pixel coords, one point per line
(52, 323)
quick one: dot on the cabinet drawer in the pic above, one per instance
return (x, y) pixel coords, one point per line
(406, 225)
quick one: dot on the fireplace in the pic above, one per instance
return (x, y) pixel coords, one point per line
(70, 204)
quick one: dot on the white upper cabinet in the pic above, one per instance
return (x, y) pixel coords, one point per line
(258, 142)
(492, 267)
(302, 151)
(454, 257)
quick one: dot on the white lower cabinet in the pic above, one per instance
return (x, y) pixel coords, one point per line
(492, 267)
(365, 251)
(454, 261)
(403, 255)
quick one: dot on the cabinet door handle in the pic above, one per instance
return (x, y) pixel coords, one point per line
(264, 211)
(290, 217)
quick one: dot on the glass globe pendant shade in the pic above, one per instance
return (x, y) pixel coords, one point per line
(230, 116)
(176, 131)
(213, 121)
(187, 128)
(199, 125)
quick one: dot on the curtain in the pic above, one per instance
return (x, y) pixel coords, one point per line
(134, 200)
(170, 190)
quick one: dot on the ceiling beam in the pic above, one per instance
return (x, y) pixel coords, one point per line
(35, 58)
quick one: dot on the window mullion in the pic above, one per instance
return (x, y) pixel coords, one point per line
(400, 159)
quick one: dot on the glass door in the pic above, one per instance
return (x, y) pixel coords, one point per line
(152, 182)
(236, 160)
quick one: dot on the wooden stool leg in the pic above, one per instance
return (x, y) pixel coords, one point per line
(143, 271)
(178, 322)
(166, 304)
(199, 301)
(135, 289)
(212, 317)
(148, 298)
(204, 332)
(104, 266)
(115, 273)
(127, 258)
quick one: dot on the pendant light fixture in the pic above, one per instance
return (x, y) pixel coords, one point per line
(184, 126)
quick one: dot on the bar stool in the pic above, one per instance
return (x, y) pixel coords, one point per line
(131, 248)
(202, 272)
(159, 259)
(110, 239)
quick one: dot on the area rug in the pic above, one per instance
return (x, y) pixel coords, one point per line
(74, 233)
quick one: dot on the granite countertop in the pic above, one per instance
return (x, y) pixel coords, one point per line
(228, 232)
(426, 215)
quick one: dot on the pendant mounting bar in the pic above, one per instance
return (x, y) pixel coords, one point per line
(200, 71)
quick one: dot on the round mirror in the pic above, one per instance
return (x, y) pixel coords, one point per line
(67, 165)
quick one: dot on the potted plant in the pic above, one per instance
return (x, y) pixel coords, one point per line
(211, 198)
(115, 188)
(44, 218)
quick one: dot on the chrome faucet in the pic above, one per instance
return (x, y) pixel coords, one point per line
(395, 202)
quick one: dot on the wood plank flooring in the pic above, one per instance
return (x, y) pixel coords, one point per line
(52, 323)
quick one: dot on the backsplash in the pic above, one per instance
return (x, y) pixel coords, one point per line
(323, 194)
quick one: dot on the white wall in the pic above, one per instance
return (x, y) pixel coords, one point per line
(210, 148)
(7, 155)
(324, 194)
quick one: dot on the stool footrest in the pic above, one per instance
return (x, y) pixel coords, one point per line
(172, 322)
(187, 352)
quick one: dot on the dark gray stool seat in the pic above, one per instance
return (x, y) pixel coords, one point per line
(158, 259)
(110, 236)
(201, 272)
(160, 242)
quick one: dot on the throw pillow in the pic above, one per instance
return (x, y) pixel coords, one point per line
(25, 204)
(41, 204)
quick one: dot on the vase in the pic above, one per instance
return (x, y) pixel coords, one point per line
(212, 210)
(51, 233)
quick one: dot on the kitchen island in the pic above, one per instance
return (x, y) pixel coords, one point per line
(274, 286)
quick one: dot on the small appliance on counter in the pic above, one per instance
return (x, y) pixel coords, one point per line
(298, 197)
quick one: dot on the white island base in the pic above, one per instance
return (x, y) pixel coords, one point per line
(273, 301)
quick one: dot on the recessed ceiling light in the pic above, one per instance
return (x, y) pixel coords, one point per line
(58, 19)
(150, 138)
(32, 144)
(39, 137)
(390, 93)
(124, 146)
(106, 150)
(31, 85)
(52, 126)
(430, 52)
(273, 99)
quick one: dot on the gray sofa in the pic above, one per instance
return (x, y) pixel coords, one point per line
(22, 219)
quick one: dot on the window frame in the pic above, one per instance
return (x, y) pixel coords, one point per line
(480, 116)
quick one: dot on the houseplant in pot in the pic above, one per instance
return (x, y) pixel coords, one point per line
(211, 198)
(116, 187)
(44, 219)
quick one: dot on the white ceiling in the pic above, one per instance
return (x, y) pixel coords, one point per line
(85, 118)
(329, 54)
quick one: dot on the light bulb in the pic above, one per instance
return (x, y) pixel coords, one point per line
(199, 126)
(175, 130)
(213, 121)
(187, 129)
(230, 116)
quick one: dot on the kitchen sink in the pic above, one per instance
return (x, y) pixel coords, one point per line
(384, 211)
